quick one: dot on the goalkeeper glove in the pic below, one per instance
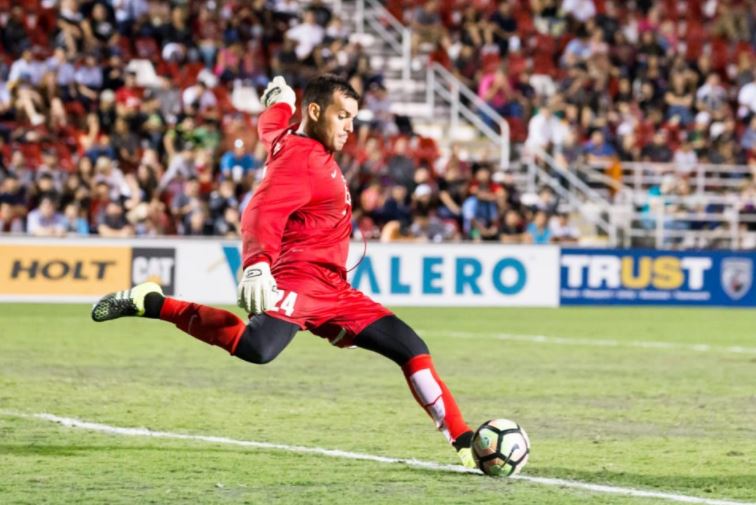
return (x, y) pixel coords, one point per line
(257, 290)
(279, 92)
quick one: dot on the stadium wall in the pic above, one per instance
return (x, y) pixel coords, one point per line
(397, 274)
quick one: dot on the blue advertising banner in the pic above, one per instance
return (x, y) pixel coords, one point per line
(656, 277)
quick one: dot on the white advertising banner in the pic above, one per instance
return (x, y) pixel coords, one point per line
(483, 275)
(205, 271)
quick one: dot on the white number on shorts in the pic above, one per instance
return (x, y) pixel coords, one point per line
(285, 302)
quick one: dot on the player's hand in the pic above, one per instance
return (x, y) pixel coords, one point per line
(279, 92)
(257, 290)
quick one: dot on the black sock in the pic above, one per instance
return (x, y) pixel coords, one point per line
(464, 440)
(153, 303)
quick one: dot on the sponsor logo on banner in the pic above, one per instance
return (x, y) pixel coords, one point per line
(656, 277)
(63, 270)
(154, 264)
(452, 275)
(736, 276)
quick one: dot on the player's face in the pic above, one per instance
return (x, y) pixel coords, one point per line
(338, 121)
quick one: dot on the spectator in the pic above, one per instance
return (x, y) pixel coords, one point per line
(308, 34)
(685, 158)
(711, 96)
(511, 231)
(580, 10)
(538, 231)
(747, 97)
(89, 81)
(187, 203)
(749, 136)
(237, 163)
(113, 222)
(401, 168)
(26, 69)
(480, 211)
(74, 220)
(562, 231)
(198, 99)
(598, 150)
(658, 151)
(45, 220)
(10, 221)
(426, 25)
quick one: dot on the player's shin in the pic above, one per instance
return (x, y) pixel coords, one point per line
(433, 395)
(213, 326)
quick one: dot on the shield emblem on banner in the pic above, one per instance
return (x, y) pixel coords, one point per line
(736, 276)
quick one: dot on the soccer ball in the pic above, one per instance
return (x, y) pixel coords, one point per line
(500, 447)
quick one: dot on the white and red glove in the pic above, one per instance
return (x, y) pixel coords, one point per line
(279, 92)
(257, 291)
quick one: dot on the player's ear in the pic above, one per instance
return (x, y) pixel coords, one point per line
(313, 111)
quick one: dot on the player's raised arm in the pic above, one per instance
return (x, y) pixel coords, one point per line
(280, 102)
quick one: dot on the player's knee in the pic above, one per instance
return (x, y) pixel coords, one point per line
(255, 350)
(266, 354)
(255, 355)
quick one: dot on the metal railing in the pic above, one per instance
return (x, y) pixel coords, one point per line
(574, 190)
(372, 13)
(685, 222)
(703, 178)
(442, 83)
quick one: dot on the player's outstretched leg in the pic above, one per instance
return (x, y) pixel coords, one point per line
(214, 326)
(392, 338)
(258, 341)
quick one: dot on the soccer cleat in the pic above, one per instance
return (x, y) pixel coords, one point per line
(465, 454)
(463, 445)
(129, 302)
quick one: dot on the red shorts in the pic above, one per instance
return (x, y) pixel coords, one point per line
(320, 300)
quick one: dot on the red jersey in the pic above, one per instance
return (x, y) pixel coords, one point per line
(302, 210)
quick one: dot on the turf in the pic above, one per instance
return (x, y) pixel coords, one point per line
(674, 420)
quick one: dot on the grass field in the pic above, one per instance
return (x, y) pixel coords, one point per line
(622, 397)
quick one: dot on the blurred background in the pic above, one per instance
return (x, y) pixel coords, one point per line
(520, 121)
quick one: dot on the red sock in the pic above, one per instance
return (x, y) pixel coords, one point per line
(214, 326)
(433, 395)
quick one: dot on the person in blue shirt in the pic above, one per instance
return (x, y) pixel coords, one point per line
(237, 163)
(538, 231)
(598, 150)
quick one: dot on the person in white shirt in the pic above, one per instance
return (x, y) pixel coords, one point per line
(198, 97)
(747, 98)
(685, 158)
(308, 34)
(712, 95)
(545, 129)
(64, 70)
(26, 68)
(581, 10)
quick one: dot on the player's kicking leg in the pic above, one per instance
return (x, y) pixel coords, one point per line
(392, 338)
(258, 340)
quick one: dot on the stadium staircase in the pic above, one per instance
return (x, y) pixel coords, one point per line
(438, 105)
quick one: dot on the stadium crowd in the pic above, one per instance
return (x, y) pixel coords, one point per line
(85, 148)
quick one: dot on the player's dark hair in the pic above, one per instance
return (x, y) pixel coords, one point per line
(320, 90)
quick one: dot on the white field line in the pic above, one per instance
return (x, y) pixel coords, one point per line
(643, 344)
(333, 453)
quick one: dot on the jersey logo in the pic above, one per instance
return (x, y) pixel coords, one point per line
(333, 174)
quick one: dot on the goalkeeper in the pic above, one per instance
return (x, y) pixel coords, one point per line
(295, 240)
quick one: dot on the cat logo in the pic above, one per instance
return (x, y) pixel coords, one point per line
(736, 276)
(156, 265)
